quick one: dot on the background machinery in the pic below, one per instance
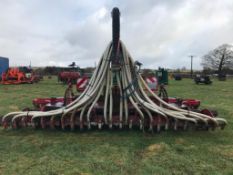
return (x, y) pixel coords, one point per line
(19, 75)
(115, 98)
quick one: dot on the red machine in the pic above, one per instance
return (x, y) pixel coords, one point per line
(115, 98)
(49, 104)
(19, 75)
(67, 77)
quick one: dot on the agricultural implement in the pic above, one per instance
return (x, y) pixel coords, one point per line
(67, 77)
(70, 75)
(19, 75)
(202, 79)
(115, 97)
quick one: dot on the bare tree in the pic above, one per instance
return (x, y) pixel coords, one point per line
(219, 58)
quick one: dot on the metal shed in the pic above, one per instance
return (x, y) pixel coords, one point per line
(4, 64)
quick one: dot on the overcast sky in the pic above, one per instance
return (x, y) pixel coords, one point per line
(156, 32)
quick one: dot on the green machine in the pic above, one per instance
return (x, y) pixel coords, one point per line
(162, 76)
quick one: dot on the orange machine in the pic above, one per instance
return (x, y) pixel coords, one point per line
(18, 75)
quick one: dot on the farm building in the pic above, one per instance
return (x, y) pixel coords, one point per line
(4, 64)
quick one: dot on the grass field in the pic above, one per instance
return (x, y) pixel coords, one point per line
(29, 151)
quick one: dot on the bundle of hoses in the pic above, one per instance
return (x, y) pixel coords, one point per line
(148, 106)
